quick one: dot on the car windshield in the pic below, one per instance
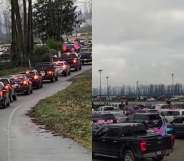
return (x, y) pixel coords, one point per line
(1, 85)
(5, 81)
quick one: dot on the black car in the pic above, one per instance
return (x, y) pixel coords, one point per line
(130, 142)
(86, 58)
(178, 125)
(48, 71)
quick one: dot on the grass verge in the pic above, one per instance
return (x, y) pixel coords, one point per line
(6, 72)
(68, 113)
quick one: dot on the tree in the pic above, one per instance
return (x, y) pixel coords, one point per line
(52, 19)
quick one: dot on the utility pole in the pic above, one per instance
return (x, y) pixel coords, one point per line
(172, 77)
(100, 89)
(107, 78)
(137, 88)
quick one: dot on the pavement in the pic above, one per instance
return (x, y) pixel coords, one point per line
(22, 140)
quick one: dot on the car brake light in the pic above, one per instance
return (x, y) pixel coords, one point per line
(64, 66)
(173, 139)
(25, 82)
(50, 72)
(35, 77)
(7, 87)
(1, 93)
(143, 145)
(75, 61)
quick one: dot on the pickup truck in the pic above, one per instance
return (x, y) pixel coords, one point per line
(130, 142)
(47, 71)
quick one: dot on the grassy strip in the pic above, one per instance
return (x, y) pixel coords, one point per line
(6, 72)
(68, 113)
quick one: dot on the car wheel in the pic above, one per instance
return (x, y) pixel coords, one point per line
(80, 67)
(8, 102)
(31, 90)
(56, 78)
(4, 104)
(129, 156)
(11, 98)
(159, 158)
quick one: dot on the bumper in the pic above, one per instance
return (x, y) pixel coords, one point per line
(158, 153)
(48, 77)
(22, 89)
(35, 83)
(86, 60)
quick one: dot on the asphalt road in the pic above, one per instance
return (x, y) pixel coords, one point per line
(177, 155)
(22, 140)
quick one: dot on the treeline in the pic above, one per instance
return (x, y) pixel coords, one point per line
(43, 19)
(151, 90)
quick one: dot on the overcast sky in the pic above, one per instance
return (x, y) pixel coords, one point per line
(138, 40)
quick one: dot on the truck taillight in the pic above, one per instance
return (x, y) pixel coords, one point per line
(25, 82)
(143, 145)
(173, 139)
(35, 77)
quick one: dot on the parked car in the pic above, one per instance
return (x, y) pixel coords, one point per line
(22, 84)
(170, 114)
(153, 122)
(35, 77)
(62, 67)
(130, 142)
(107, 108)
(106, 118)
(178, 125)
(47, 71)
(10, 87)
(4, 96)
(86, 58)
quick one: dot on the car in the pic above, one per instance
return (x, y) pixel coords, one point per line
(153, 122)
(73, 60)
(100, 118)
(178, 125)
(170, 114)
(22, 84)
(48, 71)
(107, 108)
(4, 96)
(86, 58)
(130, 142)
(62, 67)
(10, 87)
(35, 78)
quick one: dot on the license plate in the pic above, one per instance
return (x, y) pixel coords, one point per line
(158, 153)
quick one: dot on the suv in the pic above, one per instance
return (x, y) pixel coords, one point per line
(4, 96)
(47, 71)
(130, 142)
(10, 87)
(153, 122)
(86, 57)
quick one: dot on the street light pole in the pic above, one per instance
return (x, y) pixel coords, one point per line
(100, 89)
(107, 78)
(172, 77)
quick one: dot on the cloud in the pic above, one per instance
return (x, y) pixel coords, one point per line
(138, 40)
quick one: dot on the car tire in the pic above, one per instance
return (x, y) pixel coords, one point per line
(56, 78)
(4, 104)
(158, 158)
(129, 156)
(52, 80)
(8, 102)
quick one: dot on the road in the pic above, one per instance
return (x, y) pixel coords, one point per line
(177, 155)
(22, 140)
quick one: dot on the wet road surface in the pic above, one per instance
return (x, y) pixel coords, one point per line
(22, 140)
(177, 155)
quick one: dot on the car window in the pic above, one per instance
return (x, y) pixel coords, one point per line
(113, 132)
(178, 120)
(1, 85)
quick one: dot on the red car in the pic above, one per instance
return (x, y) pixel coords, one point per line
(35, 77)
(4, 96)
(22, 84)
(10, 87)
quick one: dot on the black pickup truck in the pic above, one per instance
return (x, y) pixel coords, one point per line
(129, 142)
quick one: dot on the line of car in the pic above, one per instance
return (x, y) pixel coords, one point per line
(131, 137)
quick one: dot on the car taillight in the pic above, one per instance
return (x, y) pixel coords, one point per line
(50, 72)
(173, 139)
(35, 77)
(75, 61)
(143, 145)
(25, 82)
(1, 93)
(7, 87)
(64, 66)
